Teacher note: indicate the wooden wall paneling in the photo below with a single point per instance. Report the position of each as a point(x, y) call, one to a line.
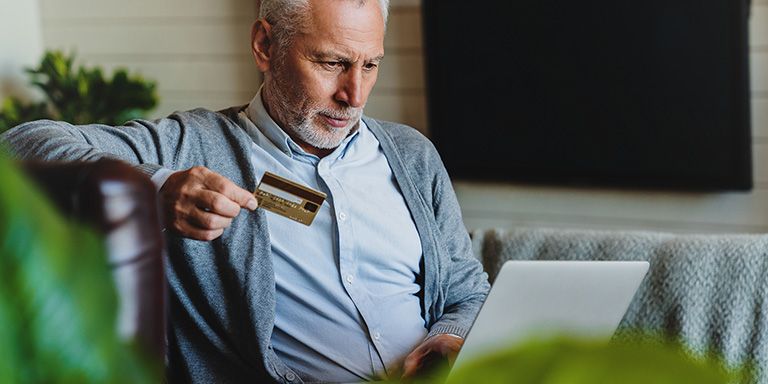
point(758, 26)
point(758, 62)
point(222, 39)
point(760, 117)
point(399, 107)
point(760, 164)
point(401, 72)
point(570, 222)
point(100, 9)
point(215, 75)
point(404, 30)
point(696, 209)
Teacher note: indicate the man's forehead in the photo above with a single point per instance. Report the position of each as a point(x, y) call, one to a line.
point(351, 18)
point(341, 53)
point(344, 29)
point(357, 3)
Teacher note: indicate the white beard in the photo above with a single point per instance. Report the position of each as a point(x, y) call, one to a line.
point(322, 135)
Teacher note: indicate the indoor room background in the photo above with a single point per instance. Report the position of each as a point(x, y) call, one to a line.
point(198, 52)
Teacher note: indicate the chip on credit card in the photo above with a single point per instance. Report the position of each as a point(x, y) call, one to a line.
point(287, 198)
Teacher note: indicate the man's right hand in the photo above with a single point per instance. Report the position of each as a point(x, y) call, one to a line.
point(199, 203)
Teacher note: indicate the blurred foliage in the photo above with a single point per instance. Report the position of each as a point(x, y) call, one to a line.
point(58, 303)
point(629, 359)
point(80, 96)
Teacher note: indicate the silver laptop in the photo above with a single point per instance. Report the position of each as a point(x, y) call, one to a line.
point(547, 298)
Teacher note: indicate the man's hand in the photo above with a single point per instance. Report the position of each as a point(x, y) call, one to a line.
point(434, 352)
point(199, 203)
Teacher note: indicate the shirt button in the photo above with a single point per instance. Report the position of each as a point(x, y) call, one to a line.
point(290, 376)
point(377, 335)
point(342, 216)
point(350, 279)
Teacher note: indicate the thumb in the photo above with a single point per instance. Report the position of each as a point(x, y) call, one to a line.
point(226, 187)
point(246, 200)
point(240, 196)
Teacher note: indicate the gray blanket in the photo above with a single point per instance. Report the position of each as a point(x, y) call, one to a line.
point(710, 291)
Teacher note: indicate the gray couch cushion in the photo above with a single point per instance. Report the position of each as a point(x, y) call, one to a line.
point(711, 291)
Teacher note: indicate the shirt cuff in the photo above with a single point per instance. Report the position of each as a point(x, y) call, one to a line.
point(448, 329)
point(161, 176)
point(448, 334)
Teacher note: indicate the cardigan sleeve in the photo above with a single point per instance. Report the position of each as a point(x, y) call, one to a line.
point(148, 145)
point(463, 283)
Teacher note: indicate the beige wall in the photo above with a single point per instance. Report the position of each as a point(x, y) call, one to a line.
point(399, 93)
point(198, 49)
point(21, 45)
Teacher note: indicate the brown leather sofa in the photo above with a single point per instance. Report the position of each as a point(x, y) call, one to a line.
point(120, 203)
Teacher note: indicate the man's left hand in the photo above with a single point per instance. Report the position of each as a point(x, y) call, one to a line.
point(432, 353)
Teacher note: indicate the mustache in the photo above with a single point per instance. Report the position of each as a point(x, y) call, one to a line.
point(344, 114)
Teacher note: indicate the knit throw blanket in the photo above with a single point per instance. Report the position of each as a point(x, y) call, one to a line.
point(710, 291)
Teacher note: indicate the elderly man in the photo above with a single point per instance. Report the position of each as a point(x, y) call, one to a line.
point(379, 283)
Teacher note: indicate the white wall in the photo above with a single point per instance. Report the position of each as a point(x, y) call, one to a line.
point(21, 45)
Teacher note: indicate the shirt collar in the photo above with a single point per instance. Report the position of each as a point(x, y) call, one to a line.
point(259, 116)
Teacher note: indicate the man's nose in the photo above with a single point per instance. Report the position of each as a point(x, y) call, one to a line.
point(350, 89)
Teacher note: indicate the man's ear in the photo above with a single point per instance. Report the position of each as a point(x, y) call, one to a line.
point(261, 44)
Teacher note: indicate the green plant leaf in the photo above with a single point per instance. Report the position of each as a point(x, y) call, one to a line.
point(14, 112)
point(82, 96)
point(636, 360)
point(57, 298)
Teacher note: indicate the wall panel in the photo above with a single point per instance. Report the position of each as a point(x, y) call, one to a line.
point(197, 50)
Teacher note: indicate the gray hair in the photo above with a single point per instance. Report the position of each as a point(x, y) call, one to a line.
point(289, 16)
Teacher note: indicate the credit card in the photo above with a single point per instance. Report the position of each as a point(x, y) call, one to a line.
point(287, 198)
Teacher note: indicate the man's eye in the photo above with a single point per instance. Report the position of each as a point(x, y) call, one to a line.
point(371, 66)
point(332, 65)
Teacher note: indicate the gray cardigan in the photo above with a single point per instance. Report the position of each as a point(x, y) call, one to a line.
point(222, 293)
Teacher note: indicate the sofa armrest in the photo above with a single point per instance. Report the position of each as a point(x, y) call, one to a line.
point(119, 203)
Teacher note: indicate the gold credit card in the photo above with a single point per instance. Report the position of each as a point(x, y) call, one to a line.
point(289, 199)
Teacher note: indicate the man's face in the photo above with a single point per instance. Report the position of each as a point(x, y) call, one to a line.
point(317, 86)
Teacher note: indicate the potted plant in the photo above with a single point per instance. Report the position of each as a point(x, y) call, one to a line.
point(80, 96)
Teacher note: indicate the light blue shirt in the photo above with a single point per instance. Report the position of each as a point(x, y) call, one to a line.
point(347, 294)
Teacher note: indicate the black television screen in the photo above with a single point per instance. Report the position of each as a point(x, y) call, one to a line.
point(636, 93)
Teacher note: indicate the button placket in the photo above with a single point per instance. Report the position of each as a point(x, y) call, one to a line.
point(347, 259)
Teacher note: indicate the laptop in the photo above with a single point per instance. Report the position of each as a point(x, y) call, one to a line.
point(548, 298)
